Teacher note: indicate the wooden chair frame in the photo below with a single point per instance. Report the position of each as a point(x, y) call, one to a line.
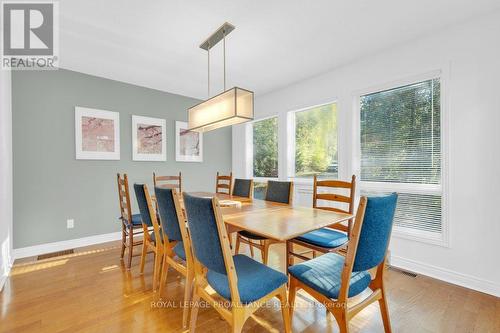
point(332, 197)
point(238, 312)
point(264, 244)
point(340, 309)
point(186, 268)
point(224, 183)
point(128, 229)
point(167, 180)
point(148, 245)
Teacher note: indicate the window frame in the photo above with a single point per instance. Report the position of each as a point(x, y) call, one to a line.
point(441, 189)
point(290, 149)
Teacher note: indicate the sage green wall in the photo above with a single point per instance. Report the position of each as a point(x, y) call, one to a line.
point(51, 186)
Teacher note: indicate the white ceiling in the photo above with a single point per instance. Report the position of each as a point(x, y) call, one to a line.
point(155, 43)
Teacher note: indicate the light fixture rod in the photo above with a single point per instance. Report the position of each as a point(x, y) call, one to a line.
point(224, 46)
point(208, 62)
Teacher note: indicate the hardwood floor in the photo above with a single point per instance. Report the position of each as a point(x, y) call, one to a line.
point(91, 291)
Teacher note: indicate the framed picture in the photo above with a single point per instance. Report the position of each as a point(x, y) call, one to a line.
point(188, 144)
point(97, 134)
point(149, 139)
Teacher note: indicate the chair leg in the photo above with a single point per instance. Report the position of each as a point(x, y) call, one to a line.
point(285, 310)
point(130, 247)
point(163, 274)
point(292, 291)
point(238, 319)
point(384, 310)
point(289, 257)
point(124, 239)
point(237, 247)
point(341, 318)
point(188, 289)
point(265, 251)
point(251, 248)
point(143, 254)
point(194, 310)
point(157, 269)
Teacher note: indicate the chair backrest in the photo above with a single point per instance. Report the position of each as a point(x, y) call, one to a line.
point(243, 187)
point(281, 192)
point(204, 233)
point(223, 184)
point(168, 213)
point(148, 213)
point(168, 181)
point(124, 198)
point(327, 189)
point(142, 202)
point(375, 232)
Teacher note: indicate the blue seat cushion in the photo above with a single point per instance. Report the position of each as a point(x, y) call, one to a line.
point(324, 274)
point(179, 250)
point(250, 235)
point(255, 280)
point(324, 237)
point(136, 220)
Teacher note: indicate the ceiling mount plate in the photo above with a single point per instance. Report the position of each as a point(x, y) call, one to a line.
point(217, 36)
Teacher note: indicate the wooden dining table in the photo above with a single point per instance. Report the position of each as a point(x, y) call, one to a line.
point(273, 220)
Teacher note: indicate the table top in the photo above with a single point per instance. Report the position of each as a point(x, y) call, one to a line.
point(274, 220)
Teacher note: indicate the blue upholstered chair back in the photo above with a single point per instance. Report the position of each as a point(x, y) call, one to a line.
point(168, 213)
point(278, 191)
point(143, 204)
point(204, 233)
point(375, 232)
point(242, 187)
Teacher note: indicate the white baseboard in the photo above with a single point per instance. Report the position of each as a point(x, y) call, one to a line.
point(463, 280)
point(5, 275)
point(36, 250)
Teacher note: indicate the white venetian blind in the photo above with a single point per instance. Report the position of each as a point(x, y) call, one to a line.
point(400, 140)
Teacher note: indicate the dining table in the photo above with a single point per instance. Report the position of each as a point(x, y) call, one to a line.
point(273, 220)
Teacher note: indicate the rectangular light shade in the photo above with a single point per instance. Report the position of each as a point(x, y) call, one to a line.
point(231, 107)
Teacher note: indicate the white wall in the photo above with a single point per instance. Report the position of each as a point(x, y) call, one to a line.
point(469, 57)
point(5, 175)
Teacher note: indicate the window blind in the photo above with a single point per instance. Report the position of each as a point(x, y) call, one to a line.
point(400, 136)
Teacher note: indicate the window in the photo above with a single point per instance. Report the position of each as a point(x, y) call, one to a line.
point(316, 142)
point(265, 148)
point(400, 136)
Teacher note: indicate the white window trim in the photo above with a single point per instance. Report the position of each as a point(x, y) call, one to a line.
point(441, 189)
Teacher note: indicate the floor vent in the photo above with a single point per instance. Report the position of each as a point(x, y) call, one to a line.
point(402, 271)
point(55, 254)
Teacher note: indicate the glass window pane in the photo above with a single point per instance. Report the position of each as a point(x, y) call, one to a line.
point(316, 142)
point(265, 148)
point(401, 134)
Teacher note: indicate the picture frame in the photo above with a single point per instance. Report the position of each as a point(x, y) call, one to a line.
point(149, 139)
point(188, 144)
point(97, 134)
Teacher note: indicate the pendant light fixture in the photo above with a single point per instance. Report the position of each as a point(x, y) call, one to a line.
point(233, 106)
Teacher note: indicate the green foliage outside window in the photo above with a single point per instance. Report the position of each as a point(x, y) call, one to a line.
point(265, 148)
point(316, 142)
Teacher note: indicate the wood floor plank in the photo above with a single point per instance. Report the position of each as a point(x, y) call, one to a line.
point(91, 291)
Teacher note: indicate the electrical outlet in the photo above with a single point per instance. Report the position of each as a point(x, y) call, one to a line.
point(70, 224)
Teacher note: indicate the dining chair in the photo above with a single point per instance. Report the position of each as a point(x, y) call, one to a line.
point(333, 279)
point(331, 238)
point(152, 241)
point(243, 188)
point(168, 181)
point(131, 223)
point(244, 283)
point(277, 191)
point(176, 243)
point(223, 184)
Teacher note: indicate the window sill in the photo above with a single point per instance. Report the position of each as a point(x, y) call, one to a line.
point(421, 236)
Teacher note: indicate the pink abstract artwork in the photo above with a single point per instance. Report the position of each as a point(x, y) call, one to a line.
point(98, 134)
point(190, 143)
point(149, 139)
